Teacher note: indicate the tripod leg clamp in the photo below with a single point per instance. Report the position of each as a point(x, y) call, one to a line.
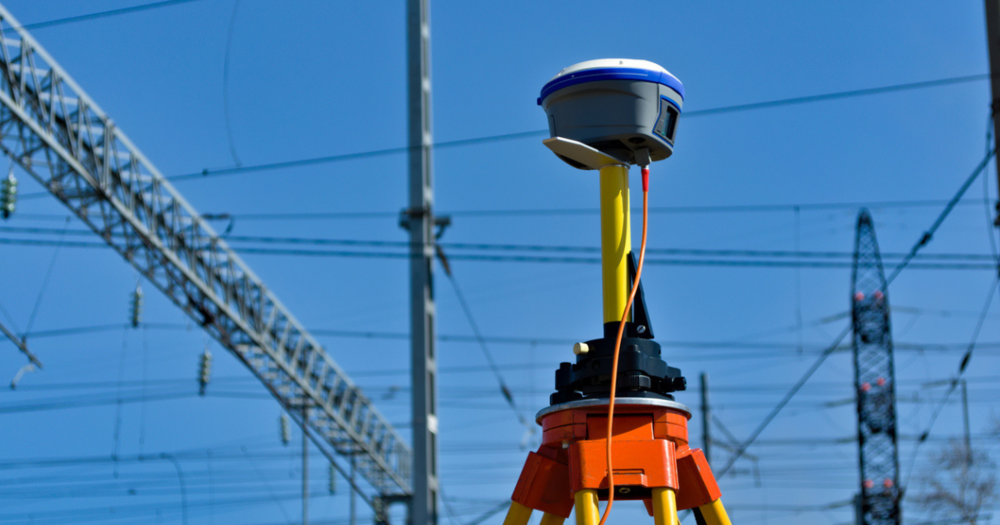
point(698, 485)
point(544, 484)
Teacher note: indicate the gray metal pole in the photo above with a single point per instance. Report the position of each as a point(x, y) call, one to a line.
point(180, 477)
point(993, 43)
point(706, 420)
point(305, 465)
point(354, 495)
point(965, 421)
point(420, 222)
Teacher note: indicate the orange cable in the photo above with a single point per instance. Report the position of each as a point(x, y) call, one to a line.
point(618, 340)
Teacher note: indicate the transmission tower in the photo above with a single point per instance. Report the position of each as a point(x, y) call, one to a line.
point(874, 382)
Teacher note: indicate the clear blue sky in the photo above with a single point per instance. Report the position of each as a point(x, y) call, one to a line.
point(310, 79)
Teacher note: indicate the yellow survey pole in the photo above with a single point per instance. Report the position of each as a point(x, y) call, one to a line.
point(616, 240)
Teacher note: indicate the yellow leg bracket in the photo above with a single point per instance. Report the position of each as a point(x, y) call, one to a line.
point(587, 512)
point(551, 519)
point(664, 507)
point(616, 240)
point(714, 513)
point(517, 514)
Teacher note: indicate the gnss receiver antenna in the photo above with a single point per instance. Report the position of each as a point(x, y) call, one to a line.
point(613, 429)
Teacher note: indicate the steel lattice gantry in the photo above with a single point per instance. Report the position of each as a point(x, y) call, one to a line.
point(53, 130)
point(874, 382)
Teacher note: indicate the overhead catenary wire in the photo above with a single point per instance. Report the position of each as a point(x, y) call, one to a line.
point(535, 341)
point(736, 208)
point(691, 252)
point(812, 264)
point(745, 342)
point(131, 512)
point(103, 14)
point(347, 156)
point(86, 395)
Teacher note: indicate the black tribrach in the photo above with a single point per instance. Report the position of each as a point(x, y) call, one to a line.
point(641, 370)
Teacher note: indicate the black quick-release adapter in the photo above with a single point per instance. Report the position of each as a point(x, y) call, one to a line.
point(641, 370)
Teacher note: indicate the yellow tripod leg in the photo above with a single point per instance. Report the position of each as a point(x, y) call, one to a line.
point(587, 512)
point(517, 514)
point(551, 519)
point(664, 507)
point(714, 513)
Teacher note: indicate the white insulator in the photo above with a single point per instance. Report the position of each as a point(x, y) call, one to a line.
point(205, 372)
point(136, 310)
point(8, 194)
point(286, 430)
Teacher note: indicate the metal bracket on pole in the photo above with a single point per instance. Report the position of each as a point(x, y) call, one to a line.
point(21, 345)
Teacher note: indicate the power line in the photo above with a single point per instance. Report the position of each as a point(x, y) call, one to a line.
point(348, 156)
point(103, 328)
point(533, 258)
point(103, 14)
point(751, 208)
point(522, 340)
point(940, 219)
point(737, 208)
point(839, 95)
point(538, 133)
point(529, 247)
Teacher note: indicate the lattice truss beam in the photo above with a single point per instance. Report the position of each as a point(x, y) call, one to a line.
point(53, 130)
point(874, 382)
